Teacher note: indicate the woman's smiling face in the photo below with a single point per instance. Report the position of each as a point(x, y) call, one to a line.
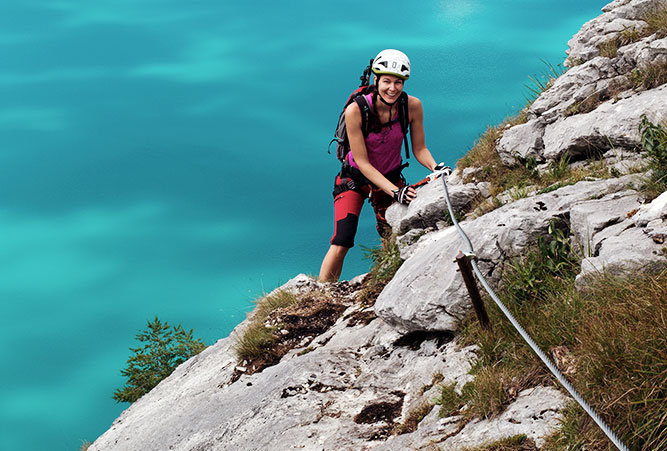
point(389, 87)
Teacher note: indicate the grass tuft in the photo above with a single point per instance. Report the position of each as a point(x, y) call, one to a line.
point(609, 49)
point(629, 35)
point(610, 339)
point(414, 417)
point(540, 83)
point(386, 262)
point(484, 155)
point(282, 322)
point(488, 394)
point(656, 19)
point(386, 259)
point(257, 339)
point(518, 442)
point(450, 401)
point(622, 343)
point(649, 77)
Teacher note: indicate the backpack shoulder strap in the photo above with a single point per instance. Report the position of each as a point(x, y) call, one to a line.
point(365, 110)
point(404, 118)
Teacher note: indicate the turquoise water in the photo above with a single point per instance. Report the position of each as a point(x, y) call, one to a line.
point(169, 158)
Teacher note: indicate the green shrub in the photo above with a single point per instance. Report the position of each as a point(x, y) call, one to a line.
point(551, 262)
point(559, 170)
point(164, 348)
point(654, 142)
point(450, 401)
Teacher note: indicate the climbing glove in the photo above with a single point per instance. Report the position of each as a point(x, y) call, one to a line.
point(401, 195)
point(441, 169)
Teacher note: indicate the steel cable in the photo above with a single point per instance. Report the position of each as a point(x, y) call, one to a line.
point(547, 361)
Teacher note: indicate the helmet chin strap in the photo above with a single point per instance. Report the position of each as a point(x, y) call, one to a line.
point(391, 105)
point(385, 102)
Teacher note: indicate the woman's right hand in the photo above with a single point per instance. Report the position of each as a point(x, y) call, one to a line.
point(405, 195)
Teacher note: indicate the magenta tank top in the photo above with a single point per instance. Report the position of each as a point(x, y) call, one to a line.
point(383, 147)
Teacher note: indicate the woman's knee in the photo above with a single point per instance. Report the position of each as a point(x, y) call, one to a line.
point(338, 251)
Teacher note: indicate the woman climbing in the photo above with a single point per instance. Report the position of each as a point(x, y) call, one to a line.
point(373, 166)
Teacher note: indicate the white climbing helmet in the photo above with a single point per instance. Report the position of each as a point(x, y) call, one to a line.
point(392, 62)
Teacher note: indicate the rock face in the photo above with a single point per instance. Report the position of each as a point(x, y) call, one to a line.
point(427, 292)
point(591, 107)
point(429, 209)
point(618, 16)
point(611, 125)
point(349, 390)
point(620, 235)
point(356, 385)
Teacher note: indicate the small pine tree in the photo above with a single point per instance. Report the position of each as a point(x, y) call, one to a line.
point(165, 347)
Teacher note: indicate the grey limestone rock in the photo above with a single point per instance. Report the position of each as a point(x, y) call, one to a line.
point(545, 402)
point(648, 51)
point(656, 209)
point(596, 240)
point(456, 177)
point(533, 413)
point(407, 242)
point(618, 16)
point(549, 133)
point(656, 230)
point(618, 245)
point(574, 85)
point(610, 125)
point(522, 142)
point(589, 217)
point(623, 162)
point(347, 393)
point(630, 251)
point(430, 207)
point(427, 293)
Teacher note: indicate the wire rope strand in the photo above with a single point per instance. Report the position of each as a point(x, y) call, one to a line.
point(528, 339)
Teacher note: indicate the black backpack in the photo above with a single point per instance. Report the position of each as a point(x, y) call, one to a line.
point(359, 96)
